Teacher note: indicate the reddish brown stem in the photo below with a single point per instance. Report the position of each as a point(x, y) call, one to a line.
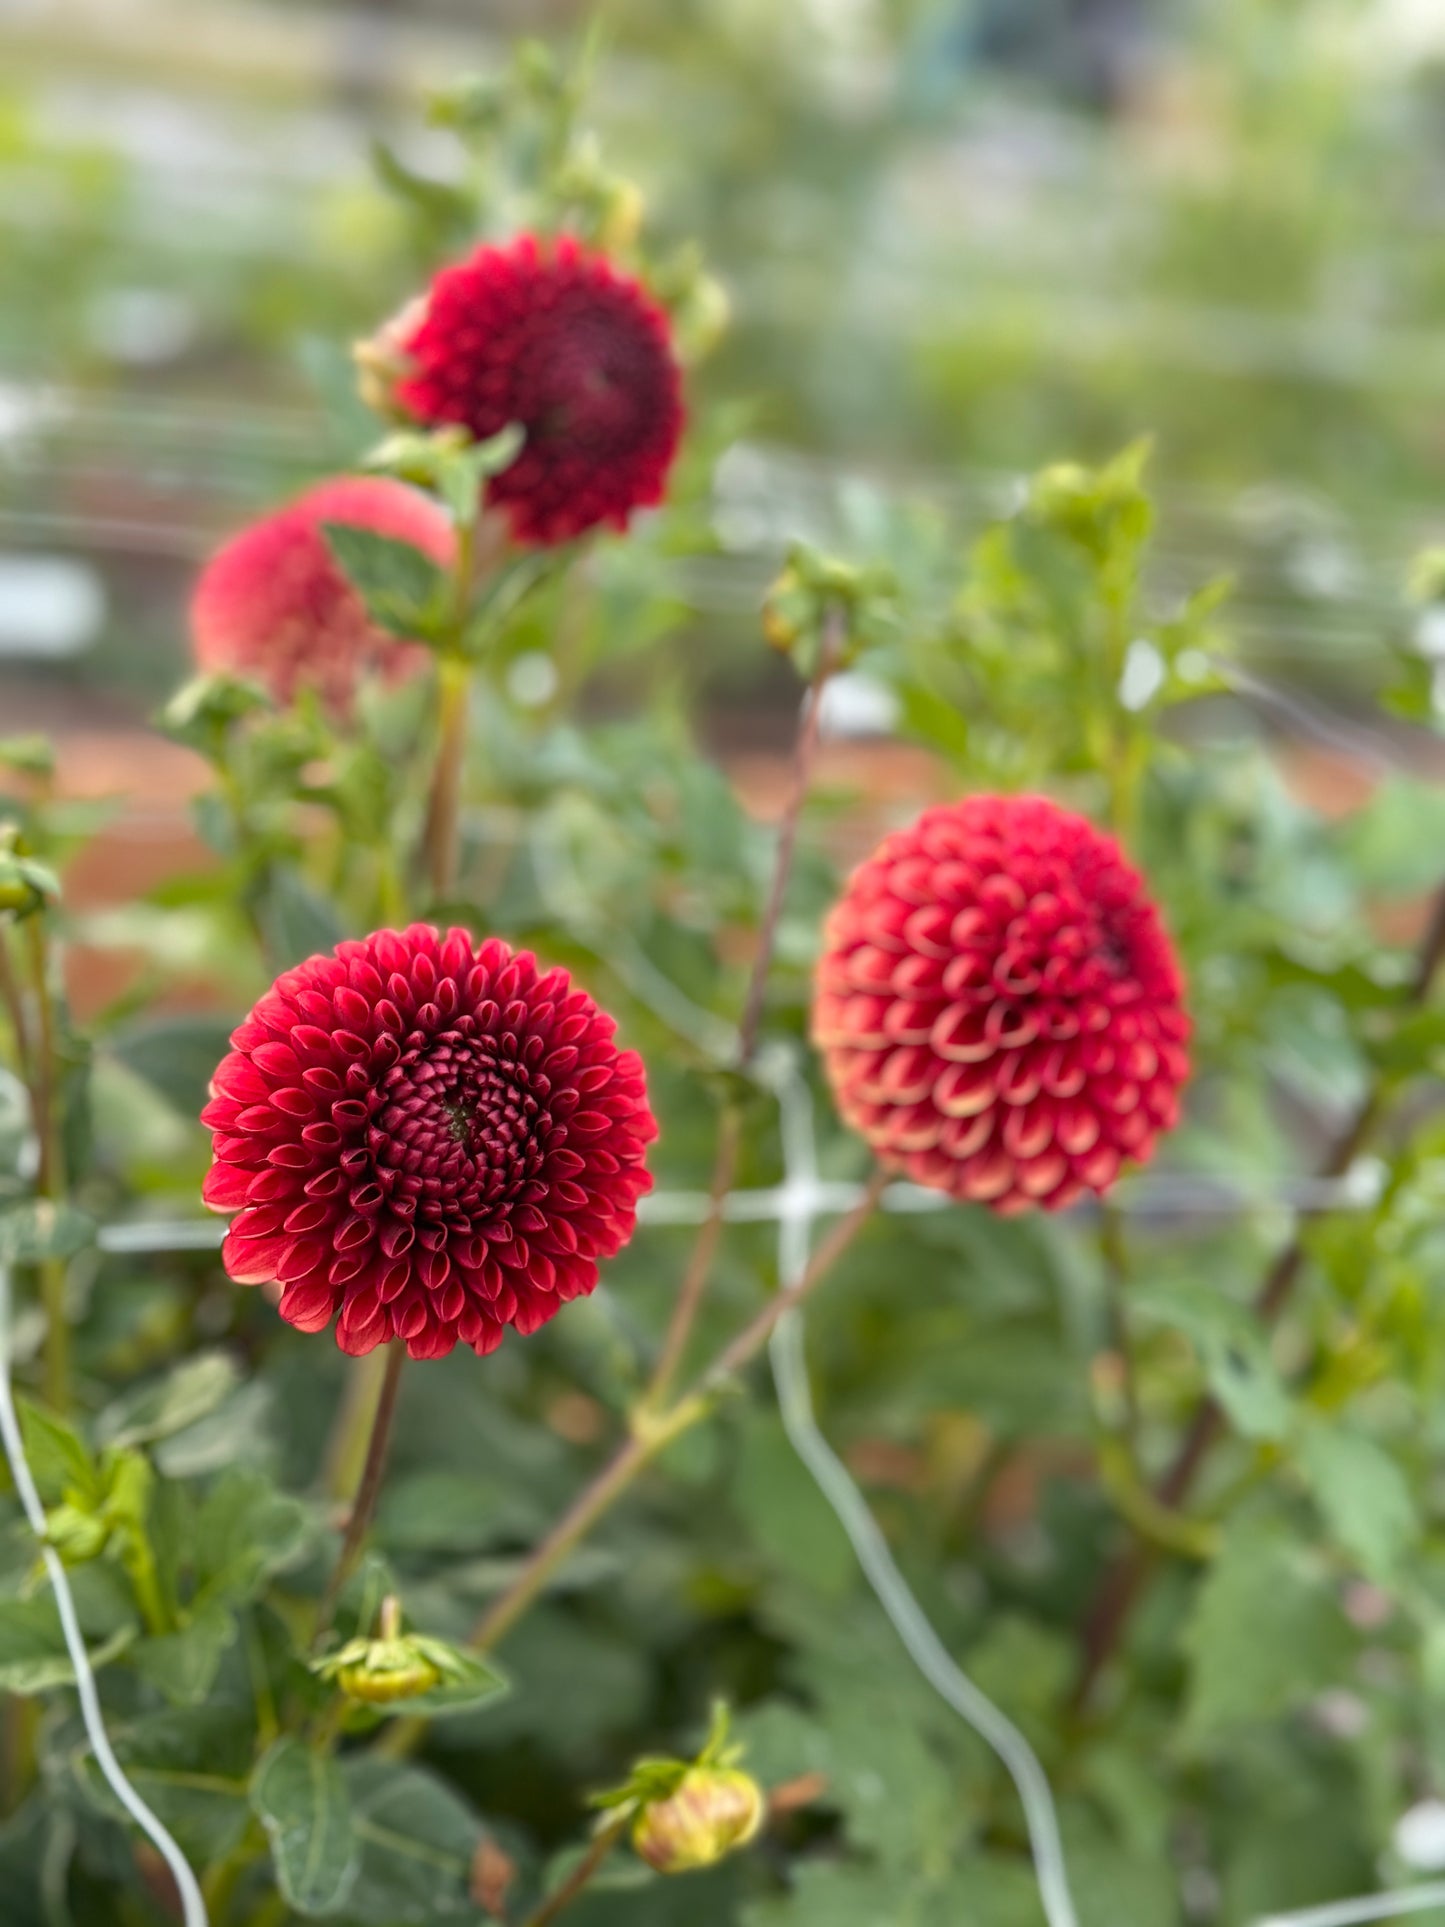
point(367, 1492)
point(1108, 1615)
point(699, 1270)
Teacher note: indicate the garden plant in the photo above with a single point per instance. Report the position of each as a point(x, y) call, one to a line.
point(689, 1285)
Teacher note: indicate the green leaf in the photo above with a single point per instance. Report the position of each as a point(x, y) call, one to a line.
point(33, 1655)
point(783, 1512)
point(298, 921)
point(418, 1840)
point(38, 1229)
point(470, 1683)
point(59, 1458)
point(1363, 1495)
point(301, 1798)
point(184, 1665)
point(244, 1531)
point(177, 1056)
point(1266, 1630)
point(403, 589)
point(1233, 1352)
point(168, 1405)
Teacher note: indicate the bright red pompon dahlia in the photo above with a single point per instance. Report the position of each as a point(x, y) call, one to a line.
point(273, 605)
point(554, 338)
point(999, 1006)
point(426, 1141)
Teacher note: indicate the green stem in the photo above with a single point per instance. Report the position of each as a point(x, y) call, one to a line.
point(50, 1178)
point(367, 1492)
point(351, 1430)
point(219, 1882)
point(441, 840)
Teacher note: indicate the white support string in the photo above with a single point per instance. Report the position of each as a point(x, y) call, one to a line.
point(927, 1651)
point(193, 1907)
point(1354, 1913)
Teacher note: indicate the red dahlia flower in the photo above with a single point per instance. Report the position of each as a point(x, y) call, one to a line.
point(554, 338)
point(273, 605)
point(432, 1141)
point(999, 1006)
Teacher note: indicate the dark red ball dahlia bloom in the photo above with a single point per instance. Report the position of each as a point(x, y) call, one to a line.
point(273, 605)
point(426, 1141)
point(554, 338)
point(999, 1005)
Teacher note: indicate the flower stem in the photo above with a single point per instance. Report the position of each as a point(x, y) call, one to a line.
point(603, 1843)
point(50, 1176)
point(649, 1438)
point(440, 840)
point(805, 752)
point(367, 1492)
point(653, 1435)
point(1108, 1615)
point(351, 1428)
point(699, 1269)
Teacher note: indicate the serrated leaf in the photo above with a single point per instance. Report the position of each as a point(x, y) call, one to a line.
point(244, 1531)
point(1266, 1630)
point(184, 1665)
point(1364, 1496)
point(38, 1229)
point(418, 1840)
point(301, 1798)
point(403, 589)
point(168, 1405)
point(33, 1653)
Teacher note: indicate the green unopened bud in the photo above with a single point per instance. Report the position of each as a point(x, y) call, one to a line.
point(75, 1534)
point(25, 885)
point(392, 1665)
point(787, 610)
point(713, 1811)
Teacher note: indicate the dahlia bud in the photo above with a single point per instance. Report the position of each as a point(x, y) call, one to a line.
point(25, 885)
point(76, 1534)
point(713, 1811)
point(389, 1667)
point(393, 1665)
point(819, 594)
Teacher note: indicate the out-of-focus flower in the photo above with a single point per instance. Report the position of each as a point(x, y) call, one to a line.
point(999, 1006)
point(426, 1141)
point(713, 1811)
point(273, 605)
point(552, 337)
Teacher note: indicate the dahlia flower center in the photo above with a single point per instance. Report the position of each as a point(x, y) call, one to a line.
point(460, 1124)
point(580, 382)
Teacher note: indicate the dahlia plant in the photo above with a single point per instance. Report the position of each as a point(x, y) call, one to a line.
point(1098, 1064)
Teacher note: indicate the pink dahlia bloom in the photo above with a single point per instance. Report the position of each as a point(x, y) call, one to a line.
point(999, 1006)
point(426, 1141)
point(273, 605)
point(552, 337)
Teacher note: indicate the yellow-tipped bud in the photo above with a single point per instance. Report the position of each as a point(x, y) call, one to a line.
point(713, 1811)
